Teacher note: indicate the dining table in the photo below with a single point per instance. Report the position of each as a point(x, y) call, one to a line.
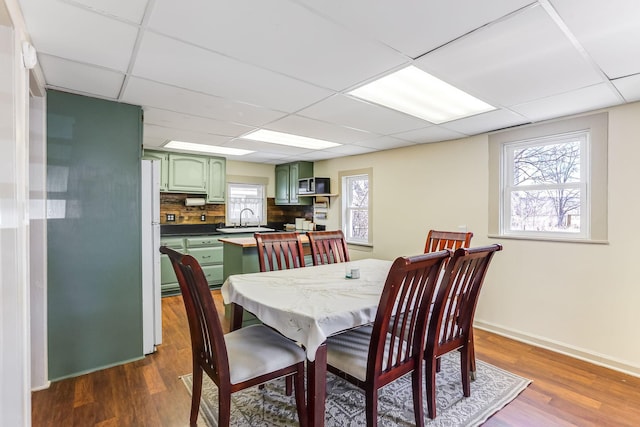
point(308, 305)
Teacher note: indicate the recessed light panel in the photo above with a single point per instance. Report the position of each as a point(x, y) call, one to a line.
point(289, 139)
point(422, 95)
point(203, 148)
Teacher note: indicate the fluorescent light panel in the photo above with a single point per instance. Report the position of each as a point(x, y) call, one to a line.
point(203, 148)
point(422, 95)
point(273, 137)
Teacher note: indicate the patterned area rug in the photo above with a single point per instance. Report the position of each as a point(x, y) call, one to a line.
point(490, 392)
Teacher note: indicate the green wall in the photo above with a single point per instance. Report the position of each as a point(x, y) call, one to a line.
point(94, 233)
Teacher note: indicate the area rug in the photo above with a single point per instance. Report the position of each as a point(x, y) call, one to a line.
point(269, 406)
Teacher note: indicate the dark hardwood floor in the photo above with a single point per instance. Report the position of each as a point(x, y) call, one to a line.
point(149, 392)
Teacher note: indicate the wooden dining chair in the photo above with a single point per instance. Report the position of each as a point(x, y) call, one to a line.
point(240, 359)
point(279, 251)
point(375, 355)
point(328, 247)
point(439, 240)
point(451, 322)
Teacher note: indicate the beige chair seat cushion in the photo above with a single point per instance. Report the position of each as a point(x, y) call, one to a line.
point(257, 350)
point(349, 351)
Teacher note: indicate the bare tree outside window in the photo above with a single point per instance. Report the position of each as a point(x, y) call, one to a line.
point(356, 215)
point(545, 186)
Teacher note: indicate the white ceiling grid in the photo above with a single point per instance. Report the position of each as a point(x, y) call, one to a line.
point(211, 71)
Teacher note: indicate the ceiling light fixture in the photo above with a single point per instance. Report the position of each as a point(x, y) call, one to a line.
point(203, 148)
point(422, 95)
point(289, 139)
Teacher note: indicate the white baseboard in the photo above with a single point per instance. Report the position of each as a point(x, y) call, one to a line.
point(42, 387)
point(558, 347)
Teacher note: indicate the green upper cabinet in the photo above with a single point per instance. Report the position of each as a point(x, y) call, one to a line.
point(287, 176)
point(164, 166)
point(217, 180)
point(188, 173)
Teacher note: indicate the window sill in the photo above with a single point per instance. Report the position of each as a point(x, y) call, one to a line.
point(548, 239)
point(364, 245)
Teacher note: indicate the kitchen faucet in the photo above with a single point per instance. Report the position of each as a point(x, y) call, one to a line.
point(245, 209)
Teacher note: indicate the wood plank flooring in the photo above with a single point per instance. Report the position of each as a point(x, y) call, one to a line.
point(149, 392)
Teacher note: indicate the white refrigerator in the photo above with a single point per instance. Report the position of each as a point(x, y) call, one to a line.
point(151, 302)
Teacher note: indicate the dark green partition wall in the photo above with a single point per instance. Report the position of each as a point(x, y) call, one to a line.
point(94, 233)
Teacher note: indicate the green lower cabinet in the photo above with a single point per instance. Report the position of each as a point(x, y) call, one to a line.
point(168, 280)
point(208, 251)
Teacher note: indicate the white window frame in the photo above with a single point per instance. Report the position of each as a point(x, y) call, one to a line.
point(508, 187)
point(233, 207)
point(347, 210)
point(595, 218)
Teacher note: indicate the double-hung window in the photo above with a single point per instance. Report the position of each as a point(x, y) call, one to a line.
point(546, 186)
point(248, 200)
point(549, 181)
point(356, 206)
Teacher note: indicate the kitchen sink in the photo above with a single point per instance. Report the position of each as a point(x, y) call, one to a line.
point(245, 229)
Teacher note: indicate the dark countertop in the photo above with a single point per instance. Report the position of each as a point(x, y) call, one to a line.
point(168, 230)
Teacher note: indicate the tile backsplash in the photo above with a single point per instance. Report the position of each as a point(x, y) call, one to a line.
point(172, 205)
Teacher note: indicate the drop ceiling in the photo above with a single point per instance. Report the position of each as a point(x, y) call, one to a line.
point(209, 72)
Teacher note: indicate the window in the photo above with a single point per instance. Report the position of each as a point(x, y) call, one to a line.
point(549, 181)
point(246, 196)
point(545, 186)
point(356, 206)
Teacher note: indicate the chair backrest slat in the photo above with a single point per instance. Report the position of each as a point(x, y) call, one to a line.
point(397, 340)
point(279, 251)
point(328, 247)
point(455, 302)
point(439, 240)
point(207, 336)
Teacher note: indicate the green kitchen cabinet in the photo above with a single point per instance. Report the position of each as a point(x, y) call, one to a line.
point(216, 182)
point(208, 251)
point(168, 280)
point(287, 176)
point(188, 173)
point(164, 166)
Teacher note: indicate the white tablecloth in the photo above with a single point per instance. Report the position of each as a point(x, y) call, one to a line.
point(309, 304)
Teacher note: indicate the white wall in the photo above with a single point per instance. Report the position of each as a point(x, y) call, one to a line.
point(581, 299)
point(259, 170)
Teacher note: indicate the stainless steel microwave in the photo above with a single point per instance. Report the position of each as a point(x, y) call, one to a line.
point(314, 185)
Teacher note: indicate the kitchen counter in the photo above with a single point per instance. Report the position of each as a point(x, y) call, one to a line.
point(167, 230)
point(250, 242)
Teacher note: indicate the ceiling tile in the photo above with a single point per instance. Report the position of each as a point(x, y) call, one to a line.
point(177, 120)
point(279, 35)
point(70, 75)
point(361, 115)
point(385, 143)
point(350, 150)
point(417, 29)
point(79, 34)
point(429, 134)
point(578, 101)
point(194, 68)
point(629, 87)
point(185, 135)
point(515, 60)
point(303, 126)
point(485, 122)
point(153, 94)
point(131, 10)
point(608, 30)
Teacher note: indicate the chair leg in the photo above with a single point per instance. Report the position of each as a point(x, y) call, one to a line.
point(300, 394)
point(196, 394)
point(430, 385)
point(472, 356)
point(465, 368)
point(416, 378)
point(371, 407)
point(224, 407)
point(288, 385)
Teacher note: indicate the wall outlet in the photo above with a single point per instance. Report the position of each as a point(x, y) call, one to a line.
point(171, 217)
point(203, 217)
